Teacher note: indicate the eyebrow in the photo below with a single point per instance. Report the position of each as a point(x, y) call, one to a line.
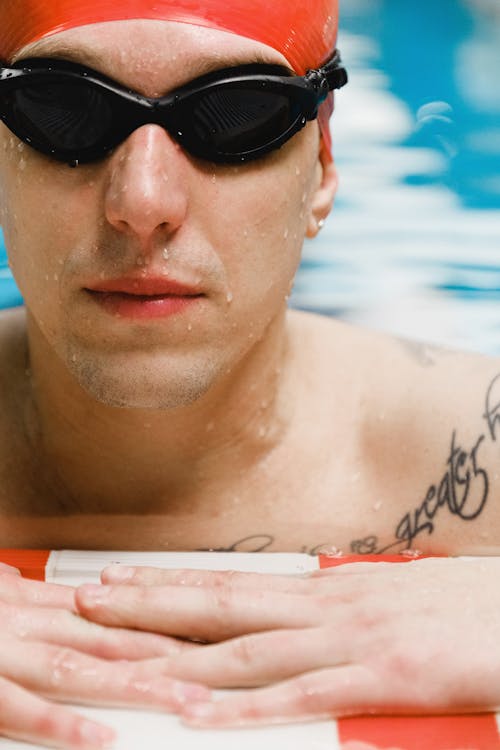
point(90, 58)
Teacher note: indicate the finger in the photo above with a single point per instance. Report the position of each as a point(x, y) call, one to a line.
point(19, 590)
point(9, 569)
point(27, 717)
point(60, 627)
point(67, 675)
point(328, 693)
point(208, 614)
point(119, 574)
point(261, 659)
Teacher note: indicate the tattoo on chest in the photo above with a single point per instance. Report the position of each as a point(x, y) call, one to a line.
point(463, 488)
point(259, 543)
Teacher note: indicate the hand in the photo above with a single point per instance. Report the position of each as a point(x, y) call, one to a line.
point(49, 653)
point(418, 637)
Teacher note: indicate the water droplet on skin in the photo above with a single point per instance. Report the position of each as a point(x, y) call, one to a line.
point(190, 328)
point(297, 171)
point(411, 553)
point(229, 298)
point(56, 277)
point(285, 234)
point(165, 254)
point(214, 178)
point(74, 358)
point(142, 687)
point(330, 551)
point(22, 164)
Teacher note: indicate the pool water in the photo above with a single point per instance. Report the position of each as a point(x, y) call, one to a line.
point(412, 245)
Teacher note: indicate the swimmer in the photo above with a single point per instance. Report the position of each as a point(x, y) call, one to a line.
point(160, 165)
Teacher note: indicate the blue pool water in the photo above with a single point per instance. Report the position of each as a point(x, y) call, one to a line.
point(412, 246)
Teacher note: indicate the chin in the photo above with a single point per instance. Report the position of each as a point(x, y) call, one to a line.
point(147, 386)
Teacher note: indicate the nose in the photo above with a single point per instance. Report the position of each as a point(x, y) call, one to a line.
point(147, 189)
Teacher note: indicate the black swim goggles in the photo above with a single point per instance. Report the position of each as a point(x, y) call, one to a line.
point(77, 115)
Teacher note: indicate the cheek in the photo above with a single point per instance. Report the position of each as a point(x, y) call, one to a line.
point(263, 214)
point(42, 222)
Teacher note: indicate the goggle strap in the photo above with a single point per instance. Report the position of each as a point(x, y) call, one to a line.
point(329, 77)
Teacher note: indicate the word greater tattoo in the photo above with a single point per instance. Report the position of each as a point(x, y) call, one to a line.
point(463, 488)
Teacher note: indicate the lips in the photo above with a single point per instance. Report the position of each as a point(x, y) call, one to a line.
point(144, 297)
point(146, 287)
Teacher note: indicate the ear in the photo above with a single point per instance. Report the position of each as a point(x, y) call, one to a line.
point(324, 194)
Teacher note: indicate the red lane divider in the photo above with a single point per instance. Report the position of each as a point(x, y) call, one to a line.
point(332, 561)
point(472, 732)
point(31, 563)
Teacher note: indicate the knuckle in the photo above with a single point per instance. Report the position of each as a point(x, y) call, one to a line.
point(306, 695)
point(9, 570)
point(48, 722)
point(246, 651)
point(222, 597)
point(402, 663)
point(61, 660)
point(220, 579)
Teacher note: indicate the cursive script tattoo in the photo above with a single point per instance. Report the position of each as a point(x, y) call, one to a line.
point(492, 410)
point(463, 489)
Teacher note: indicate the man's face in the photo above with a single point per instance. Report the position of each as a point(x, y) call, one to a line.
point(150, 212)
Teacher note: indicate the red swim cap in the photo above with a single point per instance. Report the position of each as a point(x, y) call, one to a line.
point(304, 31)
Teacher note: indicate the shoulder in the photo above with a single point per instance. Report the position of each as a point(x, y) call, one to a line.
point(423, 424)
point(393, 374)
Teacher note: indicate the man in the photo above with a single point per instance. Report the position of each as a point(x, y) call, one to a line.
point(157, 393)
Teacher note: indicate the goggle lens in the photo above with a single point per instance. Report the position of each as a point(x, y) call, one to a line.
point(60, 117)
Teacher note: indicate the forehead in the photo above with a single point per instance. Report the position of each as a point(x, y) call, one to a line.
point(148, 54)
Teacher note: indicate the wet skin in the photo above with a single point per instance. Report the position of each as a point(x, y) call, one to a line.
point(232, 424)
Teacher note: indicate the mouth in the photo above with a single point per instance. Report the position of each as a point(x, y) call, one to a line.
point(144, 298)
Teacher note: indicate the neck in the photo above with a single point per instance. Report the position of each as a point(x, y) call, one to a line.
point(104, 459)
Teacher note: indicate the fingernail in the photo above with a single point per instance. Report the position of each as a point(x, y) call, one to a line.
point(93, 595)
point(190, 692)
point(97, 736)
point(119, 573)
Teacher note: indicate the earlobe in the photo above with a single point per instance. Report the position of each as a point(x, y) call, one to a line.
point(323, 197)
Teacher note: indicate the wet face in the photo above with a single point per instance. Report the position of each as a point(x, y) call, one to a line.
point(84, 243)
